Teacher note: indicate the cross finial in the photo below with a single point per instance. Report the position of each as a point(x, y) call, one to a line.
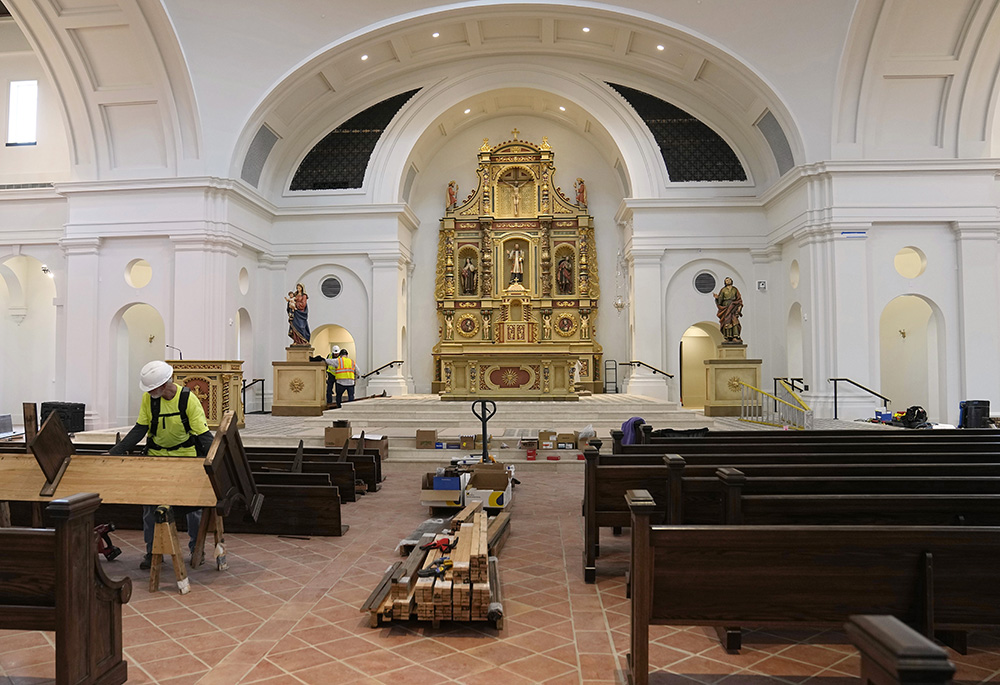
point(514, 133)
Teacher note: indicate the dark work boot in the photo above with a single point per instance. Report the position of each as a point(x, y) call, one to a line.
point(146, 563)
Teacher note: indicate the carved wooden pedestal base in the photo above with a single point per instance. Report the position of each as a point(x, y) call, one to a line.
point(299, 384)
point(722, 378)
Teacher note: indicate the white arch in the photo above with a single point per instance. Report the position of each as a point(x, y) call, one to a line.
point(321, 110)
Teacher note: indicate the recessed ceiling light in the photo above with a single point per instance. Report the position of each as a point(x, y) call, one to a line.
point(586, 29)
point(660, 47)
point(467, 111)
point(561, 108)
point(364, 57)
point(435, 34)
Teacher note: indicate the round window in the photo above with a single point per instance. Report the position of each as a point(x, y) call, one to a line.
point(138, 273)
point(704, 283)
point(331, 287)
point(910, 262)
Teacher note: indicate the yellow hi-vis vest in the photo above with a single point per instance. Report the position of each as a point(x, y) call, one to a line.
point(345, 369)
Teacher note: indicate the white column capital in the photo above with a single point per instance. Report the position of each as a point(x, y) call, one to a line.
point(73, 247)
point(976, 230)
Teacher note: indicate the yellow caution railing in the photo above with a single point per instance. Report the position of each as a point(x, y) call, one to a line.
point(759, 406)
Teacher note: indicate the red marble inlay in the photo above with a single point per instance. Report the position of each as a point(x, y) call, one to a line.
point(509, 377)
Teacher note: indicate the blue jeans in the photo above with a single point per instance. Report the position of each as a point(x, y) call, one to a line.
point(340, 392)
point(149, 523)
point(329, 388)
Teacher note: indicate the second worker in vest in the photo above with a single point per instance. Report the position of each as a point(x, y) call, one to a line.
point(345, 372)
point(331, 370)
point(177, 427)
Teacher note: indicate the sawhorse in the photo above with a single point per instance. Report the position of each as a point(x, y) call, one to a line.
point(166, 541)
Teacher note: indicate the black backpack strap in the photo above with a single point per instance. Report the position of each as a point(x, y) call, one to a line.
point(183, 404)
point(154, 408)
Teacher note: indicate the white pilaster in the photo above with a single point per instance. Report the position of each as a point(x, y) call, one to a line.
point(979, 321)
point(388, 317)
point(646, 322)
point(203, 288)
point(87, 379)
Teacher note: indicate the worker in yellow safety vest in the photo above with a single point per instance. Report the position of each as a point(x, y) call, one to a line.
point(331, 368)
point(344, 374)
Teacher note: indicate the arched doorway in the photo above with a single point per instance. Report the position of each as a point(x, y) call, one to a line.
point(697, 344)
point(139, 336)
point(910, 355)
point(328, 335)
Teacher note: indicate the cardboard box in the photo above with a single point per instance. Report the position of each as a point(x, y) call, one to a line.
point(528, 443)
point(453, 445)
point(490, 484)
point(447, 483)
point(546, 445)
point(335, 436)
point(468, 442)
point(426, 439)
point(373, 441)
point(546, 436)
point(439, 445)
point(584, 443)
point(531, 454)
point(441, 498)
point(568, 439)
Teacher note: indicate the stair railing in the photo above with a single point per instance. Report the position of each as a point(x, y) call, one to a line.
point(390, 365)
point(835, 381)
point(759, 406)
point(644, 364)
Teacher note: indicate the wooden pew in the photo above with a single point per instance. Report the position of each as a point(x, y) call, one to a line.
point(53, 580)
point(785, 497)
point(943, 580)
point(850, 434)
point(293, 510)
point(341, 475)
point(893, 653)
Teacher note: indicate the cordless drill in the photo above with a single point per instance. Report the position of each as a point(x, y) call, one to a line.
point(104, 544)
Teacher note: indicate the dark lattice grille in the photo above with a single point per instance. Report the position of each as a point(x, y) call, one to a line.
point(330, 287)
point(704, 282)
point(340, 159)
point(691, 150)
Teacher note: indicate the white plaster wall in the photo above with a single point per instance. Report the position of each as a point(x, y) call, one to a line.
point(48, 160)
point(456, 160)
point(28, 369)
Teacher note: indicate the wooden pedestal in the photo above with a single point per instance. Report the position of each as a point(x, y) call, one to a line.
point(723, 376)
point(299, 384)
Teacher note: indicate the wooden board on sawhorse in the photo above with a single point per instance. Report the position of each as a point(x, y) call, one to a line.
point(214, 484)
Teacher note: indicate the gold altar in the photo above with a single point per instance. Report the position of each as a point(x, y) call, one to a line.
point(218, 384)
point(517, 286)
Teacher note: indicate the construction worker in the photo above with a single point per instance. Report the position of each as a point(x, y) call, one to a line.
point(177, 427)
point(331, 367)
point(345, 373)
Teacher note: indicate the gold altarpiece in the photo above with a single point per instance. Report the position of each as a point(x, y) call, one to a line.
point(517, 286)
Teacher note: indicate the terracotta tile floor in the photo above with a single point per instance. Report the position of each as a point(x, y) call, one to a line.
point(287, 612)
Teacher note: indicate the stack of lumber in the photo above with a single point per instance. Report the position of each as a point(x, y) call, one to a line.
point(466, 584)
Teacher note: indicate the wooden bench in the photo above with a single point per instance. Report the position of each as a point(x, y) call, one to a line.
point(942, 580)
point(783, 496)
point(53, 580)
point(893, 653)
point(871, 436)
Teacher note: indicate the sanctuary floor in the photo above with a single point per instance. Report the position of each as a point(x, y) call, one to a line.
point(287, 612)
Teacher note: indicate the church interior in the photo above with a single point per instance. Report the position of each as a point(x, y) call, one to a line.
point(587, 210)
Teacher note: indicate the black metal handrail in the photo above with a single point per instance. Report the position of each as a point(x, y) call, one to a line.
point(792, 383)
point(390, 365)
point(252, 383)
point(885, 400)
point(651, 368)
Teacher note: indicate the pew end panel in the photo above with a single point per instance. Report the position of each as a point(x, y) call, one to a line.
point(893, 653)
point(52, 579)
point(229, 470)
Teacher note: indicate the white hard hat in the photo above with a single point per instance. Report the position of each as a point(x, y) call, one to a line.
point(336, 350)
point(154, 374)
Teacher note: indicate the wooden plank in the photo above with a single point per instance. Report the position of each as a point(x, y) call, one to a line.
point(120, 480)
point(465, 514)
